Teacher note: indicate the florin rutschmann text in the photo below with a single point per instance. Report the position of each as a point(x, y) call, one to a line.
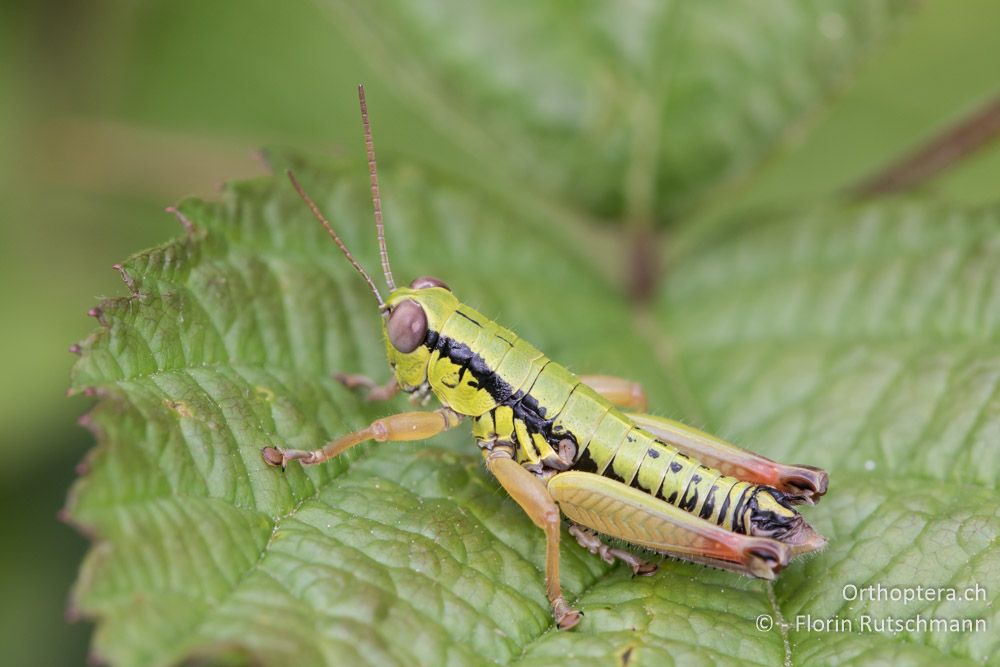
point(866, 623)
point(874, 594)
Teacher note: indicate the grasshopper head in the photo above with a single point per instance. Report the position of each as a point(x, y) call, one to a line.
point(411, 313)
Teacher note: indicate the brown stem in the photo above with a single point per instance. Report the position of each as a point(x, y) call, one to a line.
point(940, 152)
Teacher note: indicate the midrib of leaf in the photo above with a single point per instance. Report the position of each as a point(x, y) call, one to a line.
point(650, 93)
point(779, 622)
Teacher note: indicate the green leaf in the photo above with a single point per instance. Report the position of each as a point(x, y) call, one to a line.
point(635, 110)
point(864, 340)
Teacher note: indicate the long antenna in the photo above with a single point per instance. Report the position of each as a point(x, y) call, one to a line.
point(336, 239)
point(376, 200)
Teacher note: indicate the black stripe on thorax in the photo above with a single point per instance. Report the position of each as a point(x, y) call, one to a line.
point(524, 405)
point(462, 355)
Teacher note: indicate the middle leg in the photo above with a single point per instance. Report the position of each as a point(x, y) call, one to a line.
point(530, 493)
point(376, 391)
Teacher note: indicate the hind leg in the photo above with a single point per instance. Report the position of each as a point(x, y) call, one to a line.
point(618, 510)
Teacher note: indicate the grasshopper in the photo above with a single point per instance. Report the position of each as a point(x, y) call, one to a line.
point(561, 444)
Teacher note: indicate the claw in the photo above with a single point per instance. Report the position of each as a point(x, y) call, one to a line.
point(273, 456)
point(565, 616)
point(644, 569)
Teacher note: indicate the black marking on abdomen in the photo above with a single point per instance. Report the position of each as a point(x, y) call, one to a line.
point(769, 523)
point(706, 509)
point(653, 453)
point(585, 463)
point(725, 506)
point(738, 524)
point(689, 502)
point(610, 473)
point(635, 483)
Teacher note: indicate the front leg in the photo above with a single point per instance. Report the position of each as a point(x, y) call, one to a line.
point(530, 493)
point(395, 428)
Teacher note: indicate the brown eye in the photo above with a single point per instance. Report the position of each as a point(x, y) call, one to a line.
point(407, 326)
point(428, 281)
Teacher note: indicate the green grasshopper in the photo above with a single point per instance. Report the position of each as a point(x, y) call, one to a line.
point(562, 444)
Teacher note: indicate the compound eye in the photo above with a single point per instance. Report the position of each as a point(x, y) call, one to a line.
point(407, 326)
point(428, 281)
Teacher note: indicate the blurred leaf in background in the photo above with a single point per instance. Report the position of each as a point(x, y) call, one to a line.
point(111, 110)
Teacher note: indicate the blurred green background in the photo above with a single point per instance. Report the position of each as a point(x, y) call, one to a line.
point(111, 110)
